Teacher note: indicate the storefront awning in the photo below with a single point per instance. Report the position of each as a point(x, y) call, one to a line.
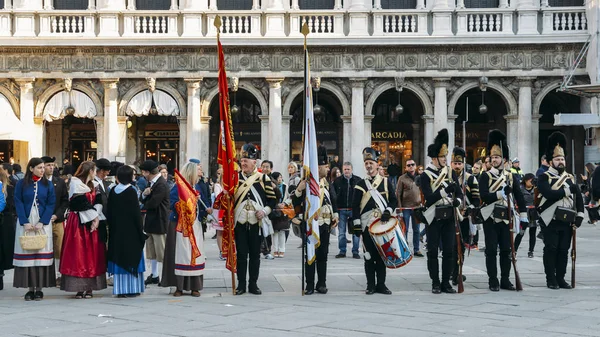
point(157, 102)
point(77, 103)
point(11, 127)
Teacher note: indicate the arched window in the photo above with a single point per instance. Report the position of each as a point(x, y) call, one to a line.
point(398, 4)
point(153, 5)
point(316, 4)
point(232, 5)
point(565, 3)
point(68, 4)
point(482, 3)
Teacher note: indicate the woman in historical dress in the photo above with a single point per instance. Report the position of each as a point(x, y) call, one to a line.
point(34, 204)
point(83, 258)
point(126, 237)
point(181, 269)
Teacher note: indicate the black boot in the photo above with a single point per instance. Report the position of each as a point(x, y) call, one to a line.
point(322, 277)
point(370, 272)
point(447, 288)
point(562, 284)
point(436, 288)
point(493, 284)
point(506, 284)
point(1, 282)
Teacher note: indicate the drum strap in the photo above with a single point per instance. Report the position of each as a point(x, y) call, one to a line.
point(377, 197)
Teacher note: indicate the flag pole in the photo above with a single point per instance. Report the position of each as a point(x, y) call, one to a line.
point(228, 201)
point(304, 222)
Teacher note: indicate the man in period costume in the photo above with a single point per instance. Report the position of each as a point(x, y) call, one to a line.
point(442, 193)
point(254, 201)
point(103, 170)
point(155, 201)
point(496, 187)
point(467, 183)
point(374, 198)
point(561, 207)
point(60, 208)
point(327, 219)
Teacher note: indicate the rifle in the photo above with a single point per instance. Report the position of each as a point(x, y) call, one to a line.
point(459, 276)
point(573, 255)
point(511, 225)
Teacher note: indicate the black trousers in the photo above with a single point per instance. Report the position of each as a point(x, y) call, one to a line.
point(557, 240)
point(497, 235)
point(247, 243)
point(444, 231)
point(374, 264)
point(320, 261)
point(532, 238)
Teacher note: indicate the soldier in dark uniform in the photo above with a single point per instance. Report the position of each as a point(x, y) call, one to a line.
point(60, 208)
point(374, 198)
point(471, 201)
point(254, 201)
point(496, 186)
point(442, 194)
point(561, 199)
point(327, 219)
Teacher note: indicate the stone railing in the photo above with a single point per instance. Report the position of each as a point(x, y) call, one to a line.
point(320, 23)
point(66, 23)
point(399, 22)
point(236, 24)
point(323, 24)
point(561, 20)
point(484, 21)
point(150, 23)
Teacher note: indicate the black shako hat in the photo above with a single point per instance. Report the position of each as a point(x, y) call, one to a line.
point(249, 151)
point(48, 159)
point(103, 164)
point(370, 153)
point(496, 144)
point(458, 154)
point(439, 148)
point(557, 145)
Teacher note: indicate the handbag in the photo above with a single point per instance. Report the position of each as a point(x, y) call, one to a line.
point(34, 242)
point(444, 212)
point(564, 214)
point(500, 212)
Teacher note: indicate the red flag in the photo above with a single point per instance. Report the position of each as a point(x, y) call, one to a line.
point(227, 159)
point(186, 210)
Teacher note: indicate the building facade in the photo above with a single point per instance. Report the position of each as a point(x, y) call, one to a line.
point(131, 80)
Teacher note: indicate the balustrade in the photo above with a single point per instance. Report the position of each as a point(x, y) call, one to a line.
point(394, 23)
point(150, 24)
point(564, 20)
point(485, 21)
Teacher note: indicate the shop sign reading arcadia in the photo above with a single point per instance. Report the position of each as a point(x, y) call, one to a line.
point(161, 133)
point(383, 135)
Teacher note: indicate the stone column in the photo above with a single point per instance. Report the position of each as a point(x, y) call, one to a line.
point(524, 126)
point(48, 5)
point(183, 139)
point(123, 136)
point(194, 104)
point(442, 17)
point(264, 136)
point(512, 131)
point(255, 5)
point(101, 148)
point(338, 5)
point(451, 133)
point(358, 13)
point(131, 5)
point(295, 5)
point(109, 140)
point(174, 6)
point(205, 139)
point(91, 4)
point(527, 16)
point(428, 136)
point(358, 137)
point(368, 130)
point(34, 127)
point(213, 5)
point(535, 142)
point(417, 147)
point(285, 139)
point(440, 108)
point(347, 139)
point(277, 147)
point(193, 4)
point(377, 4)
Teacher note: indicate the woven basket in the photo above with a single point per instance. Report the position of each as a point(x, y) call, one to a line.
point(33, 242)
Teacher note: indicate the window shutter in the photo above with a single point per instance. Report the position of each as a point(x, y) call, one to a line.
point(66, 4)
point(316, 4)
point(153, 5)
point(232, 5)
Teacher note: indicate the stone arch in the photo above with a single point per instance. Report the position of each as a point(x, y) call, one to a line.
point(55, 89)
point(136, 89)
point(210, 95)
point(339, 94)
point(14, 102)
point(537, 102)
point(418, 91)
point(506, 95)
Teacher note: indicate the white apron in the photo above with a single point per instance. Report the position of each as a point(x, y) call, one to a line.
point(33, 258)
point(183, 253)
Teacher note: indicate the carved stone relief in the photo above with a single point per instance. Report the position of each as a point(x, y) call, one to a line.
point(344, 85)
point(287, 85)
point(11, 86)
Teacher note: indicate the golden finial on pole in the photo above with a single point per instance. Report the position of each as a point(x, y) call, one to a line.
point(218, 22)
point(305, 31)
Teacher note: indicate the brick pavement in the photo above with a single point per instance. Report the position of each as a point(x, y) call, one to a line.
point(411, 311)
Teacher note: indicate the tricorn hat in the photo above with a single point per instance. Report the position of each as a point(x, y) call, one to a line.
point(557, 145)
point(148, 165)
point(48, 159)
point(249, 151)
point(103, 164)
point(370, 153)
point(322, 155)
point(439, 148)
point(458, 154)
point(496, 145)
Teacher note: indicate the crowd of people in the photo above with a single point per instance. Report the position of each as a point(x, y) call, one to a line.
point(97, 225)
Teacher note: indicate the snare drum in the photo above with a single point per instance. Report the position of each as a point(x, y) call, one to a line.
point(390, 242)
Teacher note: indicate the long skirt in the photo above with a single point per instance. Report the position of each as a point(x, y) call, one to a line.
point(169, 279)
point(83, 260)
point(126, 283)
point(35, 277)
